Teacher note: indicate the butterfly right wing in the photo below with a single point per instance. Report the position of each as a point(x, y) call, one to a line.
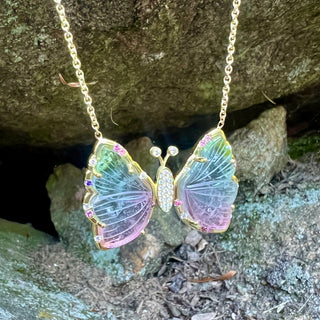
point(120, 196)
point(206, 186)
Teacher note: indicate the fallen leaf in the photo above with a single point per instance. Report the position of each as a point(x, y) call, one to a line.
point(226, 276)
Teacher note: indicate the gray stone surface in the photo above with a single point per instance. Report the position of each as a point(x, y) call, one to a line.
point(157, 64)
point(260, 148)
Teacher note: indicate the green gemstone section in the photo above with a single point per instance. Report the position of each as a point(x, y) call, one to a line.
point(217, 144)
point(106, 158)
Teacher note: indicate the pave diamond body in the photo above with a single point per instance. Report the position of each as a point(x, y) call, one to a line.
point(165, 190)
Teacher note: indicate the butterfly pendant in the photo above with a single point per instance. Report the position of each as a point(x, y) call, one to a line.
point(120, 196)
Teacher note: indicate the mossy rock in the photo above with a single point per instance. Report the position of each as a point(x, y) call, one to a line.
point(25, 292)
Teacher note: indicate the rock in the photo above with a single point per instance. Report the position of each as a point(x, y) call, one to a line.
point(272, 244)
point(66, 191)
point(156, 65)
point(260, 148)
point(139, 150)
point(176, 283)
point(25, 292)
point(193, 238)
point(173, 310)
point(290, 277)
point(204, 316)
point(142, 256)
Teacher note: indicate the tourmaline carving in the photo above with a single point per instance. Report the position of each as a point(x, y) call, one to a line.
point(206, 186)
point(120, 196)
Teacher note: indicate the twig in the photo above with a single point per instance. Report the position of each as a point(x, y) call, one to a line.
point(218, 260)
point(111, 117)
point(177, 259)
point(269, 99)
point(210, 298)
point(276, 307)
point(139, 307)
point(127, 296)
point(73, 84)
point(305, 303)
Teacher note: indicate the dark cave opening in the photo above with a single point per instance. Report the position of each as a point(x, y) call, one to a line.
point(25, 171)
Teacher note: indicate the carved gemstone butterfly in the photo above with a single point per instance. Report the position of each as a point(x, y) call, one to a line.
point(120, 196)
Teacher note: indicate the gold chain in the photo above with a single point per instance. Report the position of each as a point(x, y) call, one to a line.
point(84, 88)
point(77, 65)
point(229, 59)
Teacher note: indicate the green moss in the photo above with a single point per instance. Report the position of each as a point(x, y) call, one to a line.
point(300, 146)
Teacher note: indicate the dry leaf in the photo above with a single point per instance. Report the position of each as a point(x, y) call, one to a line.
point(226, 276)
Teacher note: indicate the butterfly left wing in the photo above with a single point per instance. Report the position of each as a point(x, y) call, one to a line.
point(120, 196)
point(206, 186)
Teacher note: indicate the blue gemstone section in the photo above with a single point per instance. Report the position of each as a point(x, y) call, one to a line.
point(88, 183)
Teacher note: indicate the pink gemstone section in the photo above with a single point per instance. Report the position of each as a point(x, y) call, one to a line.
point(177, 203)
point(119, 150)
point(206, 139)
point(89, 214)
point(206, 229)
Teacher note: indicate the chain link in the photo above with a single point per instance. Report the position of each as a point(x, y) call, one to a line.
point(77, 66)
point(84, 88)
point(229, 60)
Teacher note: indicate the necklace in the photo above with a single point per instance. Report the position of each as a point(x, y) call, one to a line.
point(120, 196)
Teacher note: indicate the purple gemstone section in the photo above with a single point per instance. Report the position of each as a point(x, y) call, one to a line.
point(88, 183)
point(89, 214)
point(207, 190)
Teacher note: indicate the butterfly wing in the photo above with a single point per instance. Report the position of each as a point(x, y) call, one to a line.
point(119, 197)
point(206, 186)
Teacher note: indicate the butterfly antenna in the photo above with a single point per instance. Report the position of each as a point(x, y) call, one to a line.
point(172, 151)
point(156, 153)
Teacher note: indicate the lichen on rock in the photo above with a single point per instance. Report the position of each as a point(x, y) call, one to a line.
point(25, 292)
